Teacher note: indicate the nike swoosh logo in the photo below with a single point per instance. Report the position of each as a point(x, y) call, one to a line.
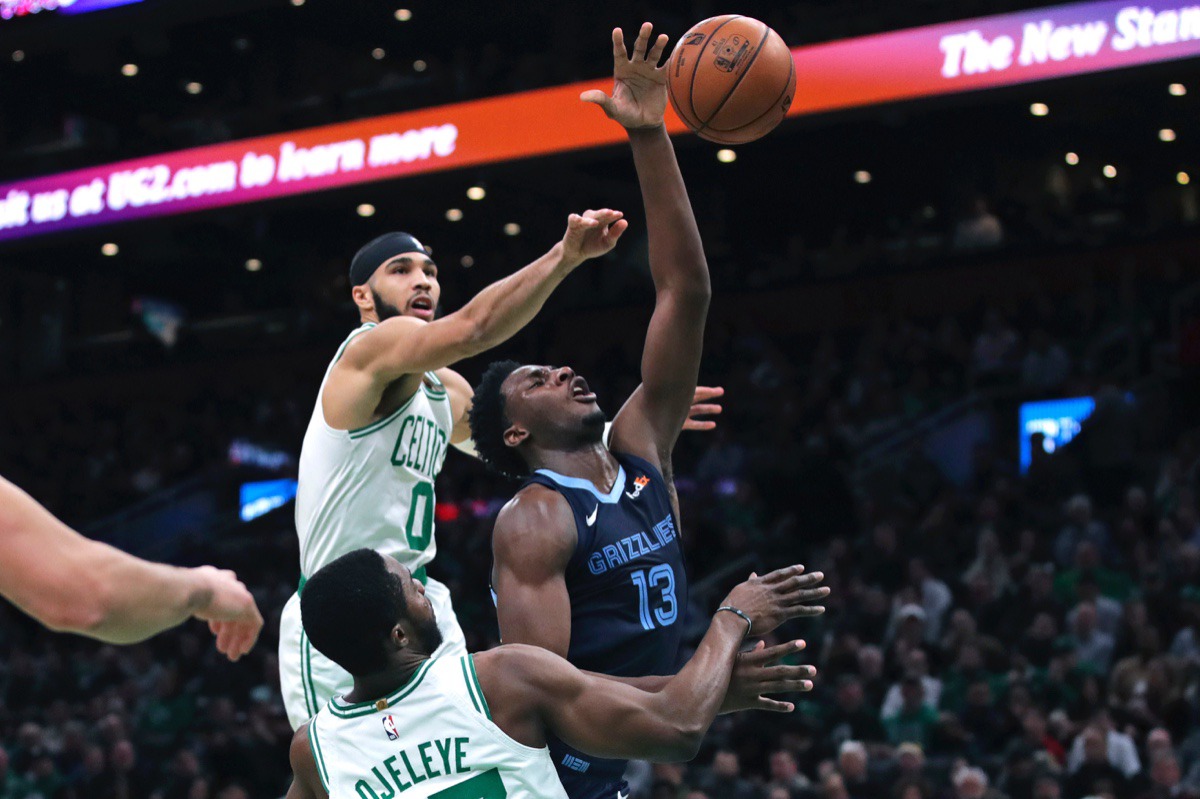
point(622, 795)
point(590, 521)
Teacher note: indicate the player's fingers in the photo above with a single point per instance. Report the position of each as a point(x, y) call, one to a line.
point(597, 97)
point(778, 675)
point(696, 426)
point(785, 687)
point(660, 44)
point(705, 409)
point(619, 50)
point(605, 215)
point(805, 611)
point(779, 575)
point(616, 229)
point(773, 705)
point(642, 41)
point(705, 393)
point(799, 581)
point(805, 596)
point(763, 655)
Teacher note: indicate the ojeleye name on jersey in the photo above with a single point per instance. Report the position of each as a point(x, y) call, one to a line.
point(422, 762)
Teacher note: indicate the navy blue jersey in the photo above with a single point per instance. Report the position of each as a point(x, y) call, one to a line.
point(628, 591)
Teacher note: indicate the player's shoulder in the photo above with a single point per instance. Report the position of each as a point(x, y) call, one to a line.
point(535, 526)
point(536, 667)
point(363, 347)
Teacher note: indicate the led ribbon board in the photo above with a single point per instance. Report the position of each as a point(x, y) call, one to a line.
point(935, 60)
point(13, 9)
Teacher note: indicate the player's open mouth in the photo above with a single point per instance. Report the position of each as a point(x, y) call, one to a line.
point(421, 306)
point(579, 391)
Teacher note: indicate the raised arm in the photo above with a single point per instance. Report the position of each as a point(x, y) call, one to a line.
point(650, 422)
point(531, 690)
point(403, 345)
point(532, 544)
point(73, 584)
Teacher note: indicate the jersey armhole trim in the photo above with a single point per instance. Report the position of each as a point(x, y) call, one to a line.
point(315, 745)
point(379, 424)
point(474, 689)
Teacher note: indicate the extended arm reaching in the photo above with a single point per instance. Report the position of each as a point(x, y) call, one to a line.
point(531, 690)
point(650, 422)
point(73, 584)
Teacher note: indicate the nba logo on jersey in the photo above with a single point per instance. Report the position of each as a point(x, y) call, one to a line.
point(638, 484)
point(389, 726)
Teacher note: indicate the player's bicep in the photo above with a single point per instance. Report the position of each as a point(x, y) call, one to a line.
point(402, 346)
point(532, 544)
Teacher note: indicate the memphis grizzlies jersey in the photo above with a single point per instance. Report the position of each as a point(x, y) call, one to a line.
point(627, 586)
point(432, 738)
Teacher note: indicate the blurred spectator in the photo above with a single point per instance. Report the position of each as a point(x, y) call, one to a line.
point(724, 778)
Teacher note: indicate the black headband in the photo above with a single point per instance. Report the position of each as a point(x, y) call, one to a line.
point(375, 252)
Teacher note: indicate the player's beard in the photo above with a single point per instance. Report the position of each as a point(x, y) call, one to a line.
point(428, 634)
point(593, 426)
point(383, 308)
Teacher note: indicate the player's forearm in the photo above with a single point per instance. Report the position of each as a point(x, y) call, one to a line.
point(499, 311)
point(676, 253)
point(693, 697)
point(73, 584)
point(141, 599)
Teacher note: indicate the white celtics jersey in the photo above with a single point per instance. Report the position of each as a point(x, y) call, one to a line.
point(431, 739)
point(373, 487)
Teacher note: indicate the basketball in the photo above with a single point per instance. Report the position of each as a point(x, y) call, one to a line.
point(731, 79)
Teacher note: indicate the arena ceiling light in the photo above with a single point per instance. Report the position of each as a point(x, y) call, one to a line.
point(419, 65)
point(476, 193)
point(726, 156)
point(297, 3)
point(378, 53)
point(454, 214)
point(253, 265)
point(193, 87)
point(1183, 178)
point(1166, 134)
point(403, 15)
point(129, 70)
point(467, 261)
point(366, 209)
point(1177, 89)
point(512, 229)
point(18, 55)
point(1110, 171)
point(862, 176)
point(1072, 159)
point(1039, 109)
point(110, 249)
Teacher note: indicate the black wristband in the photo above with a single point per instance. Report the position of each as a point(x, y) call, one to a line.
point(731, 609)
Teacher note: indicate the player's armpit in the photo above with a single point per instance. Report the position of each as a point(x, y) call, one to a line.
point(461, 395)
point(532, 544)
point(306, 782)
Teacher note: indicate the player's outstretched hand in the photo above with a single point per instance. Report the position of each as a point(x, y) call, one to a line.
point(639, 97)
point(592, 234)
point(777, 597)
point(702, 405)
point(231, 614)
point(757, 674)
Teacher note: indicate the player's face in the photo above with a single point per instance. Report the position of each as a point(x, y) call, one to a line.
point(406, 285)
point(420, 623)
point(549, 401)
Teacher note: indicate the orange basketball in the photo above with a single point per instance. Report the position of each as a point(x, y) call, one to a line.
point(731, 79)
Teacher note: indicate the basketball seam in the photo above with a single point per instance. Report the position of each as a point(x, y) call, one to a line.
point(691, 94)
point(771, 107)
point(742, 77)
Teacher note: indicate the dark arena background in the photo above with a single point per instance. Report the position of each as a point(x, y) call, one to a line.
point(956, 313)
